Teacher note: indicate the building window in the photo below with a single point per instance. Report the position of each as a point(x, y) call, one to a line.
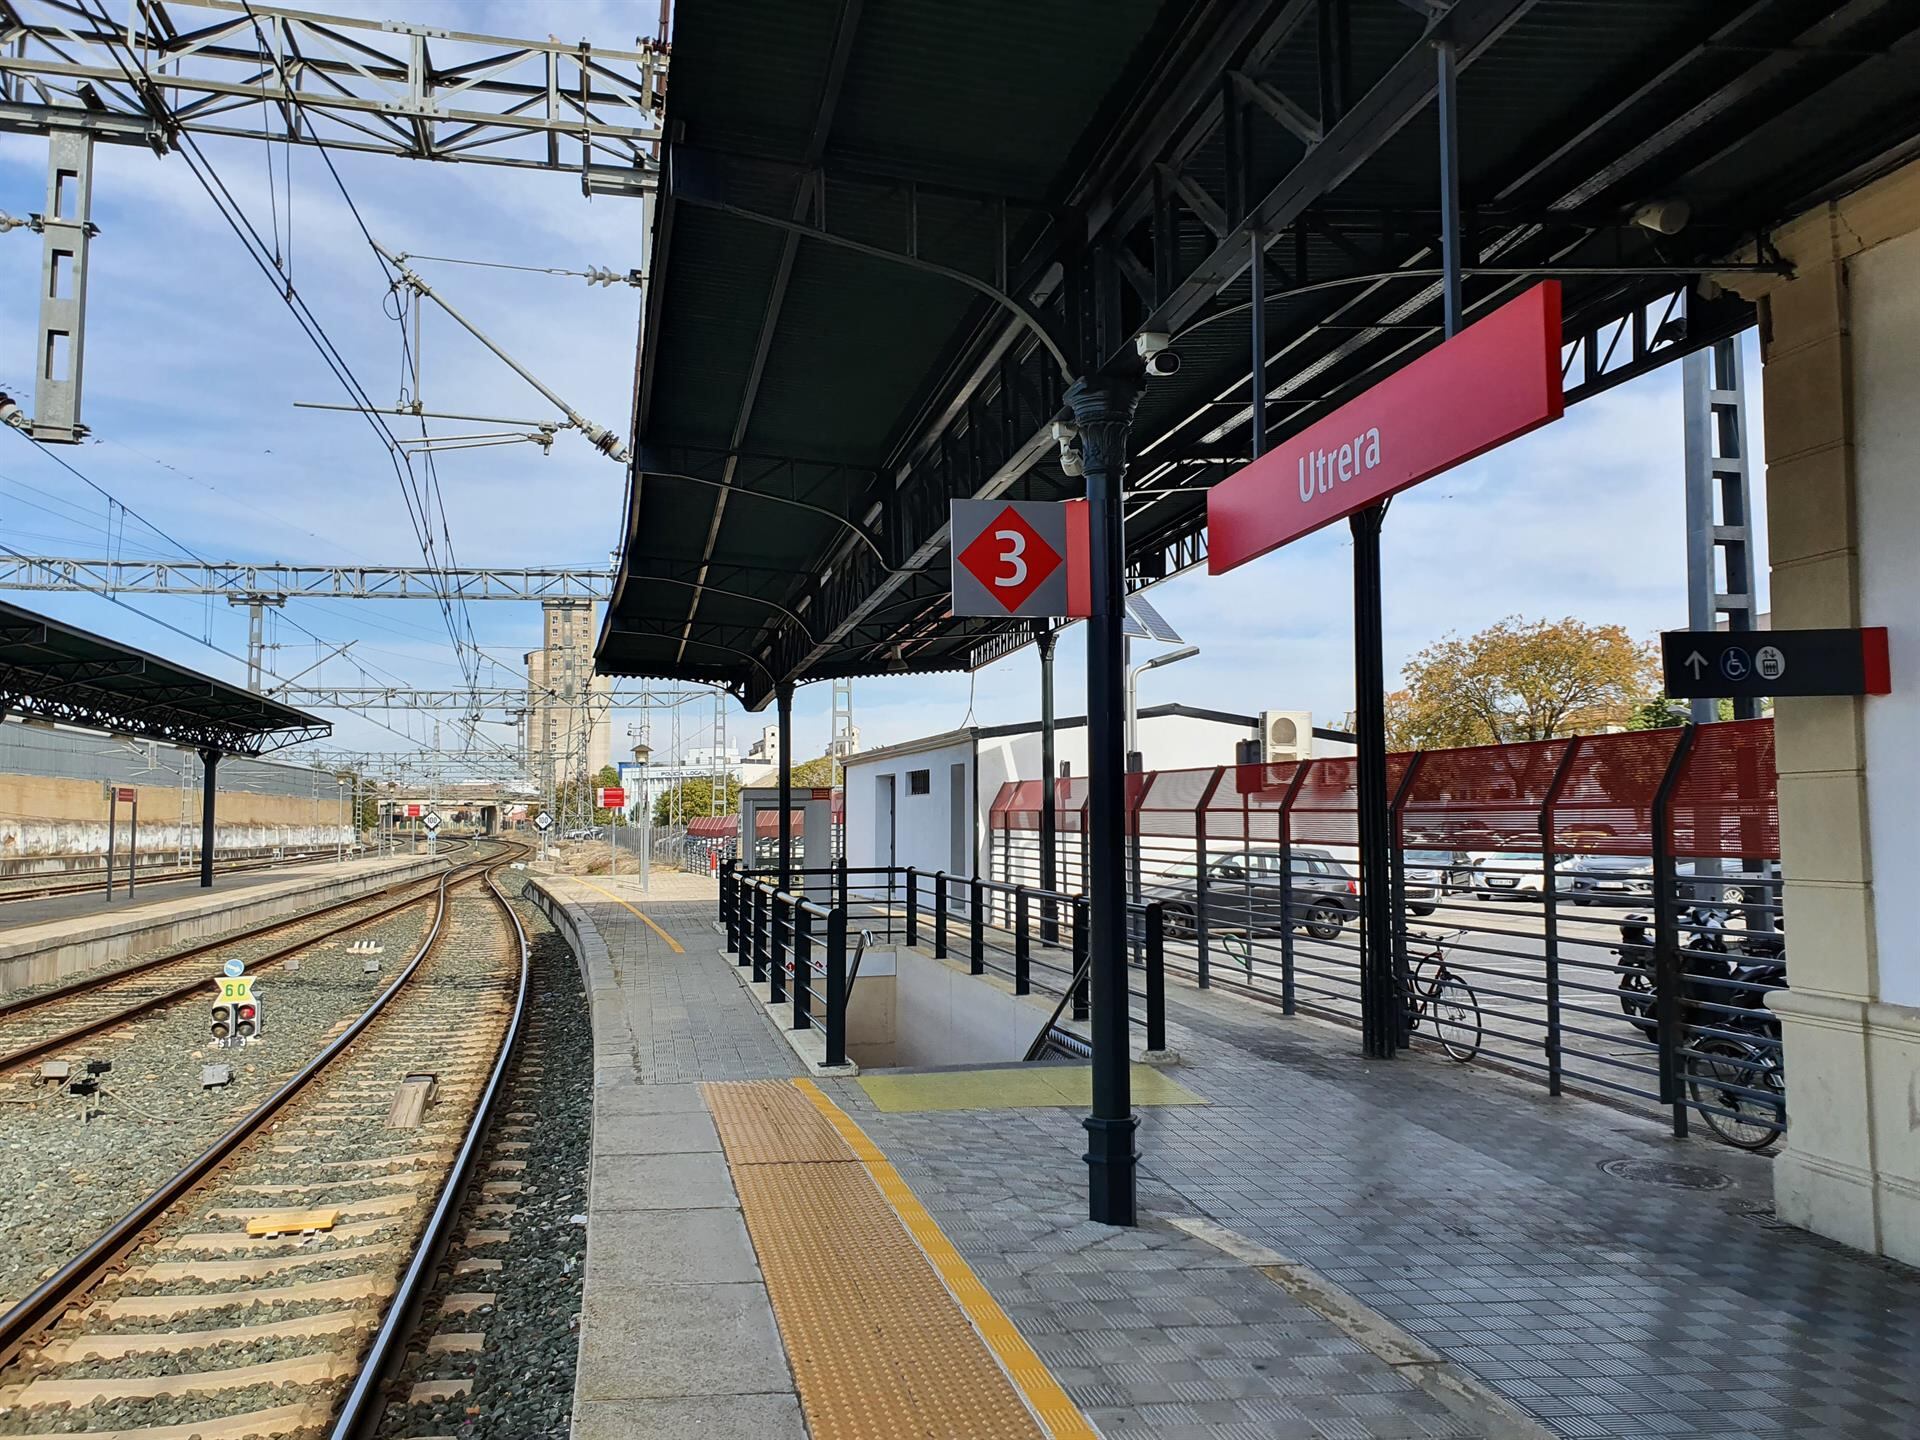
point(919, 782)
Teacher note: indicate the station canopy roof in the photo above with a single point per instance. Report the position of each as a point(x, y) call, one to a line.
point(50, 671)
point(825, 362)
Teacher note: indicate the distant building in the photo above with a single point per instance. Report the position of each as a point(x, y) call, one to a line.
point(925, 802)
point(569, 719)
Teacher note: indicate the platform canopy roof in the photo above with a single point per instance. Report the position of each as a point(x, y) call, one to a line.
point(890, 231)
point(50, 671)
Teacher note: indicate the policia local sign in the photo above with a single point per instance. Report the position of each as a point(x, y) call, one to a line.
point(1750, 664)
point(1491, 383)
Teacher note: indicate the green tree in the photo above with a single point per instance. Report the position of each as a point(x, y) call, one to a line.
point(695, 796)
point(822, 770)
point(1659, 713)
point(1520, 680)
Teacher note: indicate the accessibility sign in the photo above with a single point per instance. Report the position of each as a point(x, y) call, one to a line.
point(543, 821)
point(1019, 557)
point(1725, 664)
point(235, 968)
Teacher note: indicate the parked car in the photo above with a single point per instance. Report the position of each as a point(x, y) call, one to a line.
point(1507, 874)
point(1431, 875)
point(1591, 879)
point(1245, 894)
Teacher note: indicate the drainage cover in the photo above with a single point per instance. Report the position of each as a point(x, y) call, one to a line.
point(1667, 1173)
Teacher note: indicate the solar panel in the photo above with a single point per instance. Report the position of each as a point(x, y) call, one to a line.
point(1143, 622)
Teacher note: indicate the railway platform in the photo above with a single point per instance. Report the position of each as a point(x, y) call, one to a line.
point(61, 936)
point(1328, 1247)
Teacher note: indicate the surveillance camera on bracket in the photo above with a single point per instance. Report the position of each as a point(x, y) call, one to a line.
point(1154, 347)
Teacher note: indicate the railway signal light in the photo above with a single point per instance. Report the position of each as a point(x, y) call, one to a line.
point(221, 1025)
point(246, 1020)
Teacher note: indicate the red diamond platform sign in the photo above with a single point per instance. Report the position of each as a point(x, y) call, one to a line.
point(1018, 557)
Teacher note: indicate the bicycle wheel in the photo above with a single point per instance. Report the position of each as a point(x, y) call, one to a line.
point(1739, 1091)
point(1455, 1012)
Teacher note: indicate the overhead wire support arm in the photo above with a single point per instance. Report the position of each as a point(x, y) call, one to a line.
point(606, 441)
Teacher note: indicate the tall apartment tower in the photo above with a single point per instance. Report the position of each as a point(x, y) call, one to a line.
point(569, 729)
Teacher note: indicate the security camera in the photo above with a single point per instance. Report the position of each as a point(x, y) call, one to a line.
point(1663, 217)
point(1153, 347)
point(1068, 437)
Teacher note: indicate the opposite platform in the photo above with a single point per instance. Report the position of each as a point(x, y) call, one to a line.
point(61, 936)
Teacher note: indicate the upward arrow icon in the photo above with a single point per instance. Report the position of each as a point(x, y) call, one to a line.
point(1696, 662)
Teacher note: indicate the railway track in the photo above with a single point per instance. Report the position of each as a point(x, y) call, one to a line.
point(38, 889)
point(43, 890)
point(184, 1320)
point(41, 1024)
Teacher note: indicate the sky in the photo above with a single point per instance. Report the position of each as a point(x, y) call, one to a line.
point(194, 365)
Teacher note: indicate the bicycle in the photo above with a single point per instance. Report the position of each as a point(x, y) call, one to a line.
point(1445, 1000)
point(1739, 1089)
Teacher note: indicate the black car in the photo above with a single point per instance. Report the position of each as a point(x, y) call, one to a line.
point(1244, 894)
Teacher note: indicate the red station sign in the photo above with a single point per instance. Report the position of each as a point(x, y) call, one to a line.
point(413, 812)
point(1491, 383)
point(611, 797)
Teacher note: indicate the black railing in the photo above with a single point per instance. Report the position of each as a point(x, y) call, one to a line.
point(788, 940)
point(1032, 938)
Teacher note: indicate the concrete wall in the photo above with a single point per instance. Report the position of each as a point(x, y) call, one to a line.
point(1886, 372)
point(944, 1016)
point(1841, 373)
point(43, 816)
point(922, 833)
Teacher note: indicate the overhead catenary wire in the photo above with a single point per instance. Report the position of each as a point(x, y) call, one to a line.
point(413, 492)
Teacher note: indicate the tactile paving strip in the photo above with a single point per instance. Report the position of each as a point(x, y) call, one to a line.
point(768, 1122)
point(881, 1349)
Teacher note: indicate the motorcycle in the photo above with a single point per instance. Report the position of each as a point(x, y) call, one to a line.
point(1731, 1050)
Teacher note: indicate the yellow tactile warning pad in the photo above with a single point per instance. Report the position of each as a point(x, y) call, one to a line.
point(1014, 1088)
point(768, 1122)
point(889, 1332)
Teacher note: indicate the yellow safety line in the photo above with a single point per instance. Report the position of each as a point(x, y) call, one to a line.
point(1024, 1368)
point(672, 944)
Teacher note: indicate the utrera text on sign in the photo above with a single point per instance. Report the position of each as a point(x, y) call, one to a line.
point(1494, 381)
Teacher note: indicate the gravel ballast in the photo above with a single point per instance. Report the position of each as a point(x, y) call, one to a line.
point(523, 1379)
point(446, 1023)
point(64, 1180)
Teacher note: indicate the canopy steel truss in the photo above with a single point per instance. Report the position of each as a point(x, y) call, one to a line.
point(242, 580)
point(384, 87)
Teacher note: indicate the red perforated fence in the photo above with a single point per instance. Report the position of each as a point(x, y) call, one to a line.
point(1592, 795)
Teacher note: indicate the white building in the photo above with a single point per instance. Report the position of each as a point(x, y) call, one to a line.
point(924, 802)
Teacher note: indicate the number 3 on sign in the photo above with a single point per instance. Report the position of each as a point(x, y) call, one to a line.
point(1012, 558)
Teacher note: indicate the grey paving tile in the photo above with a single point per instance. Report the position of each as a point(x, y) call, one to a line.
point(729, 1417)
point(641, 1248)
point(666, 1341)
point(697, 1180)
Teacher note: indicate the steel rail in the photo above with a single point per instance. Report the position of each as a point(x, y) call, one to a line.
point(95, 978)
point(35, 1049)
point(365, 1405)
point(33, 1315)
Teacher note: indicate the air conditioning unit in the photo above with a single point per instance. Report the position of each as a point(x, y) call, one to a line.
point(1286, 735)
